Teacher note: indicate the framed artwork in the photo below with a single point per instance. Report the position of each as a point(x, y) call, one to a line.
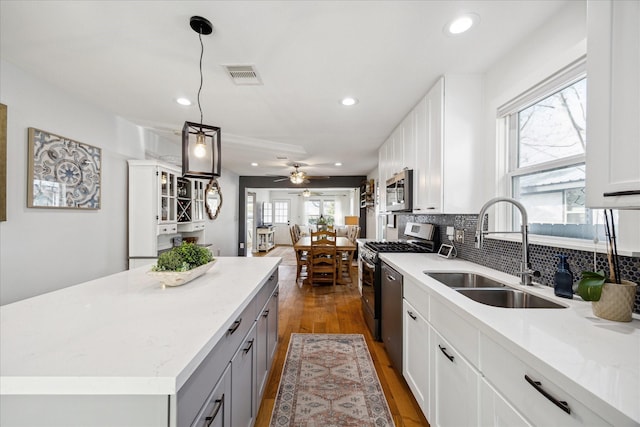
point(3, 162)
point(62, 173)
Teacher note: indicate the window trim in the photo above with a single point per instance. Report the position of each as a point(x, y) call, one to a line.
point(506, 132)
point(287, 202)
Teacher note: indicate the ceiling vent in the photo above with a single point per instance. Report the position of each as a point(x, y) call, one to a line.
point(243, 75)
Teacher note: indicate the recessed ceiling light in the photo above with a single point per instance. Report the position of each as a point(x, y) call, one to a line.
point(254, 164)
point(183, 101)
point(348, 101)
point(462, 23)
point(338, 164)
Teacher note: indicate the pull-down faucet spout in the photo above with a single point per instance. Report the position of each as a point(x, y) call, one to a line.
point(526, 272)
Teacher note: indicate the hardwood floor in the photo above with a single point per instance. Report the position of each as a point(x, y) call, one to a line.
point(325, 309)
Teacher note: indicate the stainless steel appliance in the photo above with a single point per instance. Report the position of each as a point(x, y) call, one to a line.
point(400, 192)
point(371, 272)
point(391, 305)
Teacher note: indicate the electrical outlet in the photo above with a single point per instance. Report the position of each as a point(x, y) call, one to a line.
point(460, 236)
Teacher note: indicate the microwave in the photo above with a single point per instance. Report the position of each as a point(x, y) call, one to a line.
point(400, 192)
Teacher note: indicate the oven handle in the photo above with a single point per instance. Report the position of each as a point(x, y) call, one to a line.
point(368, 265)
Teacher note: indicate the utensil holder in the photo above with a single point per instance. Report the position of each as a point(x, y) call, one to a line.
point(616, 301)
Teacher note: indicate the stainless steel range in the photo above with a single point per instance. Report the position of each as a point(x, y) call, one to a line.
point(371, 269)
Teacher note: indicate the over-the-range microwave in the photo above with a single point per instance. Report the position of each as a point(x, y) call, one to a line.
point(400, 192)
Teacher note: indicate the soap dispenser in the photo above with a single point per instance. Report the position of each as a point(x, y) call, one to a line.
point(563, 279)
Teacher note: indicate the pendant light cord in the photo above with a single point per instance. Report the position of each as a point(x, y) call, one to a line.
point(200, 88)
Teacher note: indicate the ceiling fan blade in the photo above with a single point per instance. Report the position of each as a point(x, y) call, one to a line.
point(317, 177)
point(281, 179)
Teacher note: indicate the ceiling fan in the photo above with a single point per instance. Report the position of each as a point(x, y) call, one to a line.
point(298, 177)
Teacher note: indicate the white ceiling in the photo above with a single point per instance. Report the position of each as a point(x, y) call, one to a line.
point(134, 58)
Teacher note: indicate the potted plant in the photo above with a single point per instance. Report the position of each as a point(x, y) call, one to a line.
point(182, 264)
point(611, 297)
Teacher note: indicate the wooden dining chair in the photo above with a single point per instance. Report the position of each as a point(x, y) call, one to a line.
point(323, 263)
point(301, 256)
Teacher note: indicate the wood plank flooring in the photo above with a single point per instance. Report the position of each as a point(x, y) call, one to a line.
point(325, 309)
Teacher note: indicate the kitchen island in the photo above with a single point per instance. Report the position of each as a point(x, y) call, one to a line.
point(589, 365)
point(124, 343)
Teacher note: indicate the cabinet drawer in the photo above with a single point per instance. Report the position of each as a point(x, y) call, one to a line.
point(194, 392)
point(507, 374)
point(417, 295)
point(265, 292)
point(460, 333)
point(217, 409)
point(168, 229)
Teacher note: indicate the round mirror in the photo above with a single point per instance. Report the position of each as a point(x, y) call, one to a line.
point(213, 199)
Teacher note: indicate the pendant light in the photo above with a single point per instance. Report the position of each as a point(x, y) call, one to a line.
point(201, 143)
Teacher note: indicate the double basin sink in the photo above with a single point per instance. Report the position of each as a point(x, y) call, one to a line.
point(488, 291)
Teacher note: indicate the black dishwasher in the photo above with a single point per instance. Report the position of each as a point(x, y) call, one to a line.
point(391, 322)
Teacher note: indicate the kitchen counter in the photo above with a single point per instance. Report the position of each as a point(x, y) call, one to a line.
point(600, 359)
point(124, 333)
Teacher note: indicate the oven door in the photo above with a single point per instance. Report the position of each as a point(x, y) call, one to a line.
point(367, 282)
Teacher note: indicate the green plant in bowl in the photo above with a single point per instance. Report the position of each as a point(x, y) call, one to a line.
point(183, 258)
point(590, 286)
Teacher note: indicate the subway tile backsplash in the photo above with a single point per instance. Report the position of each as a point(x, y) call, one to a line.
point(506, 256)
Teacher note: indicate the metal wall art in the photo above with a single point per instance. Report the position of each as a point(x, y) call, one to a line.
point(63, 173)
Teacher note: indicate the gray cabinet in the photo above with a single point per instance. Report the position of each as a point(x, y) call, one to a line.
point(216, 411)
point(267, 340)
point(243, 382)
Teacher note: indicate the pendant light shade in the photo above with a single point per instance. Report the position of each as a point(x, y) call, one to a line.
point(201, 144)
point(201, 151)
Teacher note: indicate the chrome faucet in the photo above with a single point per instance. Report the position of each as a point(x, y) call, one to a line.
point(526, 272)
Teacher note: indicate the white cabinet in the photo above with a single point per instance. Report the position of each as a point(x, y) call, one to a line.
point(152, 205)
point(532, 392)
point(427, 175)
point(441, 141)
point(415, 366)
point(456, 386)
point(161, 205)
point(190, 205)
point(496, 411)
point(613, 98)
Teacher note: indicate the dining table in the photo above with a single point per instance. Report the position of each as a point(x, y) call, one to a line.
point(343, 245)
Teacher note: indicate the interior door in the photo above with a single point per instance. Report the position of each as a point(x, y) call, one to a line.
point(281, 221)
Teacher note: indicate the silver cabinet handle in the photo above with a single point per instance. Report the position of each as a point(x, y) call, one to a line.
point(391, 278)
point(216, 409)
point(266, 313)
point(538, 386)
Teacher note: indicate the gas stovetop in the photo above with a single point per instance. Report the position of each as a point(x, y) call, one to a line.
point(400, 246)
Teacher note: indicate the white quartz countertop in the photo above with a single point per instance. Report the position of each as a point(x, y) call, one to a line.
point(600, 359)
point(124, 333)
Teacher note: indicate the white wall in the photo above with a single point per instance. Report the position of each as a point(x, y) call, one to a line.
point(47, 249)
point(551, 47)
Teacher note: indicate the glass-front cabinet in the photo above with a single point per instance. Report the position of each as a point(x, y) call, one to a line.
point(168, 194)
point(190, 204)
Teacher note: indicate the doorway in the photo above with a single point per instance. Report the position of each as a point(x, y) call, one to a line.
point(250, 225)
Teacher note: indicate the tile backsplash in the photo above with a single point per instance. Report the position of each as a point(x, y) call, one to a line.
point(506, 256)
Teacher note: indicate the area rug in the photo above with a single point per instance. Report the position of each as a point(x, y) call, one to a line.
point(287, 254)
point(329, 380)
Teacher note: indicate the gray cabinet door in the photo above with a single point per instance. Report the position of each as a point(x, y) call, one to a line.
point(243, 382)
point(216, 412)
point(272, 329)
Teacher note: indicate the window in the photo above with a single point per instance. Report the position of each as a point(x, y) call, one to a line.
point(314, 208)
point(281, 211)
point(267, 213)
point(546, 138)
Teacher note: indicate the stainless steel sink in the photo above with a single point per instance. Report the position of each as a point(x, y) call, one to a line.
point(465, 280)
point(508, 298)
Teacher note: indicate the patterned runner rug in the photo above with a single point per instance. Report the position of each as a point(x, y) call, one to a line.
point(329, 380)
